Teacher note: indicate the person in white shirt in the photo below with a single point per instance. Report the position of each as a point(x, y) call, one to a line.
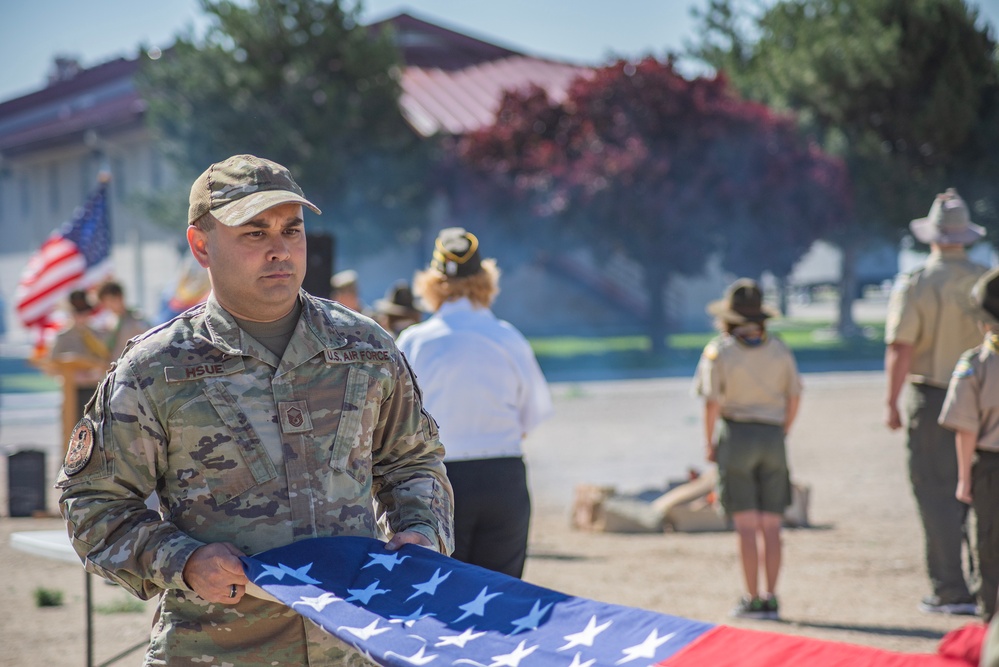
point(483, 386)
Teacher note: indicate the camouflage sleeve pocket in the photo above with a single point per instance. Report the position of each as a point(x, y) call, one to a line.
point(358, 417)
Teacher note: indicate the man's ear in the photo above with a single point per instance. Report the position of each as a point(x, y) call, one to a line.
point(198, 241)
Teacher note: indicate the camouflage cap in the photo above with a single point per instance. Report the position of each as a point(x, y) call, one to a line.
point(241, 187)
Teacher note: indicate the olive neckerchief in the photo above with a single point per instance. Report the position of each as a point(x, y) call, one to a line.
point(94, 344)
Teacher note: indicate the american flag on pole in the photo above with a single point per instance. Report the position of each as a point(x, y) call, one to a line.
point(416, 607)
point(75, 256)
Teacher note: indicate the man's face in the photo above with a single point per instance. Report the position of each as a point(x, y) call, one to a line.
point(114, 303)
point(257, 268)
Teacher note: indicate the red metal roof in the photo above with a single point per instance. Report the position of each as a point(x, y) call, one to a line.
point(100, 98)
point(452, 83)
point(455, 102)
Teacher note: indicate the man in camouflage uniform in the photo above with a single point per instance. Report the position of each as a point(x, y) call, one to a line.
point(930, 324)
point(262, 417)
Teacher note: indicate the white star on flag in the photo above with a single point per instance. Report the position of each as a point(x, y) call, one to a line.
point(477, 606)
point(411, 618)
point(279, 572)
point(365, 594)
point(366, 632)
point(429, 587)
point(459, 640)
point(646, 649)
point(513, 659)
point(576, 662)
point(319, 603)
point(586, 636)
point(416, 659)
point(388, 561)
point(533, 619)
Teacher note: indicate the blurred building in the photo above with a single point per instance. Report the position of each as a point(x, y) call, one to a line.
point(54, 141)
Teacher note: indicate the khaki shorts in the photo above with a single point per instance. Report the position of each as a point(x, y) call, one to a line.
point(752, 467)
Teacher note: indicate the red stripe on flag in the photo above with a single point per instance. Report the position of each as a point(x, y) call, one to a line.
point(51, 273)
point(733, 647)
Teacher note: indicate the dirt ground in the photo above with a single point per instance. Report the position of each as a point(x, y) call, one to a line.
point(855, 576)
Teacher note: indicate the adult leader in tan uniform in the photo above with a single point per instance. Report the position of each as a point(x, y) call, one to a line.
point(930, 324)
point(262, 417)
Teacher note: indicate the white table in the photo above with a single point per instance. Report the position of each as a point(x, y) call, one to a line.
point(48, 543)
point(55, 544)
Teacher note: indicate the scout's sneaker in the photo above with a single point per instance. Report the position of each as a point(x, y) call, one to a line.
point(750, 608)
point(933, 605)
point(772, 608)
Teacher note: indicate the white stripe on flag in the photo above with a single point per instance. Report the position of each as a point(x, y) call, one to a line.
point(50, 275)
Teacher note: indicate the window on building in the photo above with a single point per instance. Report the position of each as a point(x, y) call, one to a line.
point(25, 197)
point(87, 178)
point(55, 202)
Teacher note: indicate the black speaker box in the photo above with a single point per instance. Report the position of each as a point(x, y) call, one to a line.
point(319, 263)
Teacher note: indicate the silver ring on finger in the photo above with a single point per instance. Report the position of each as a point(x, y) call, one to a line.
point(232, 590)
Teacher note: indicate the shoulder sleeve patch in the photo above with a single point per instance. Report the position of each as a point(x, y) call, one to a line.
point(81, 447)
point(963, 369)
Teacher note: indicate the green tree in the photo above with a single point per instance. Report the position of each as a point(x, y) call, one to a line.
point(303, 83)
point(897, 88)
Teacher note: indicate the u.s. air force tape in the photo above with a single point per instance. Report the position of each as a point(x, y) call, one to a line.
point(81, 446)
point(352, 356)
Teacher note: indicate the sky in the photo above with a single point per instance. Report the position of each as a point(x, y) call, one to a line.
point(585, 31)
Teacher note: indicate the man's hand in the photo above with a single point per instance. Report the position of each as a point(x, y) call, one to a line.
point(711, 452)
point(892, 418)
point(963, 492)
point(408, 537)
point(213, 570)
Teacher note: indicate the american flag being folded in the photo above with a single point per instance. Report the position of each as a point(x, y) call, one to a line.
point(417, 607)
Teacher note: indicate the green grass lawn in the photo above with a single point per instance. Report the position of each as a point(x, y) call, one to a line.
point(17, 375)
point(813, 343)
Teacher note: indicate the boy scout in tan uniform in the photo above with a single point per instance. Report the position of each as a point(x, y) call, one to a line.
point(971, 410)
point(750, 385)
point(262, 417)
point(928, 327)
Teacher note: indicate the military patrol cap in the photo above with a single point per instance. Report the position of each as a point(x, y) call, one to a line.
point(456, 253)
point(948, 222)
point(743, 303)
point(985, 295)
point(240, 188)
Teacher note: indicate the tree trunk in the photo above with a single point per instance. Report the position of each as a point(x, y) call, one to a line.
point(846, 327)
point(655, 283)
point(781, 284)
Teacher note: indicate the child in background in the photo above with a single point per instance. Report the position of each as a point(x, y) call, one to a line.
point(971, 409)
point(751, 389)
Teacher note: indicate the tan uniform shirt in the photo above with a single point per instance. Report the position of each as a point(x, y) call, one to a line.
point(930, 309)
point(244, 447)
point(972, 402)
point(126, 328)
point(750, 384)
point(81, 342)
